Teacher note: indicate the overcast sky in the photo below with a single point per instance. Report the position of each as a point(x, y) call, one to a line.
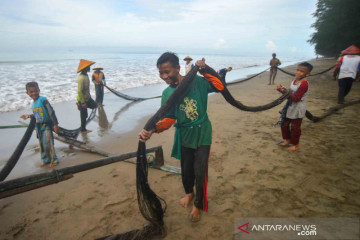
point(247, 27)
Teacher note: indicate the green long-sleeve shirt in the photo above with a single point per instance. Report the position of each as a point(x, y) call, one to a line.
point(83, 88)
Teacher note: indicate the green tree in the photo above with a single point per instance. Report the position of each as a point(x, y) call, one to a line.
point(337, 26)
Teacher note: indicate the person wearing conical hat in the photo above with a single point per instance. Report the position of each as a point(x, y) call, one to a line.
point(188, 64)
point(84, 100)
point(98, 79)
point(348, 67)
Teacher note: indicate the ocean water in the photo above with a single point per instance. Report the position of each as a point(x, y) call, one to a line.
point(57, 77)
point(134, 74)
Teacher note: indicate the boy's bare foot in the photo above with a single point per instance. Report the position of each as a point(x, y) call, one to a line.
point(42, 164)
point(195, 214)
point(285, 143)
point(86, 131)
point(293, 148)
point(53, 164)
point(186, 200)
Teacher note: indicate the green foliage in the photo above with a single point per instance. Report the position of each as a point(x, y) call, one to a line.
point(337, 26)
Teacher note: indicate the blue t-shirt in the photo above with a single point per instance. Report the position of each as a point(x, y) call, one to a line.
point(40, 113)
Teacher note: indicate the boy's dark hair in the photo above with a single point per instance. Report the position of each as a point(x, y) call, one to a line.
point(170, 57)
point(31, 84)
point(307, 65)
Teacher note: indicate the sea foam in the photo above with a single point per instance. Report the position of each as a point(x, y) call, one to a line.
point(57, 78)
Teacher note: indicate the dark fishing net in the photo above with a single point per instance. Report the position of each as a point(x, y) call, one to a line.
point(22, 144)
point(326, 70)
point(246, 79)
point(151, 205)
point(75, 132)
point(10, 164)
point(230, 99)
point(127, 97)
point(286, 72)
point(330, 111)
point(292, 74)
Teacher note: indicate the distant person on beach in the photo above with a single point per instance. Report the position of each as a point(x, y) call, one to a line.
point(46, 122)
point(222, 72)
point(84, 100)
point(188, 64)
point(295, 107)
point(348, 67)
point(193, 129)
point(98, 79)
point(274, 63)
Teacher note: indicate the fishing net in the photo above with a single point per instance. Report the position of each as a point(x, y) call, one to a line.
point(151, 205)
point(127, 97)
point(292, 74)
point(10, 164)
point(230, 99)
point(330, 111)
point(246, 79)
point(5, 171)
point(75, 132)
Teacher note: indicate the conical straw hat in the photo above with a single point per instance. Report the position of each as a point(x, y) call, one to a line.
point(187, 57)
point(351, 50)
point(84, 64)
point(97, 67)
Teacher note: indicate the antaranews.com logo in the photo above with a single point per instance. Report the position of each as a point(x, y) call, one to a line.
point(296, 228)
point(301, 230)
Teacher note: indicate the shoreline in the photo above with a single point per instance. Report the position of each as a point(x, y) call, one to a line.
point(113, 108)
point(249, 175)
point(124, 83)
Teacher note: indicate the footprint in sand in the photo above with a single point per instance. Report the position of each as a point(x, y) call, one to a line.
point(5, 206)
point(88, 199)
point(228, 211)
point(114, 204)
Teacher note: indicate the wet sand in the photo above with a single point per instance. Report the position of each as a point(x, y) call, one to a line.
point(249, 174)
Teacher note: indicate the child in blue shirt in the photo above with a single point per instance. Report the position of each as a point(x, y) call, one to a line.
point(46, 122)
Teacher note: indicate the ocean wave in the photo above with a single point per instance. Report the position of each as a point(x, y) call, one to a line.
point(58, 79)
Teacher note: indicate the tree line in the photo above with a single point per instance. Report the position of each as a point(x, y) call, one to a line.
point(337, 26)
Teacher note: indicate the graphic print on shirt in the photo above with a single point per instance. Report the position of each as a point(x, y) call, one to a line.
point(38, 114)
point(190, 108)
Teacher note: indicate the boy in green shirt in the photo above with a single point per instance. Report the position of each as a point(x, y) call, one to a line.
point(193, 129)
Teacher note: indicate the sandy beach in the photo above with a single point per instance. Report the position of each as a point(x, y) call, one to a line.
point(249, 174)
